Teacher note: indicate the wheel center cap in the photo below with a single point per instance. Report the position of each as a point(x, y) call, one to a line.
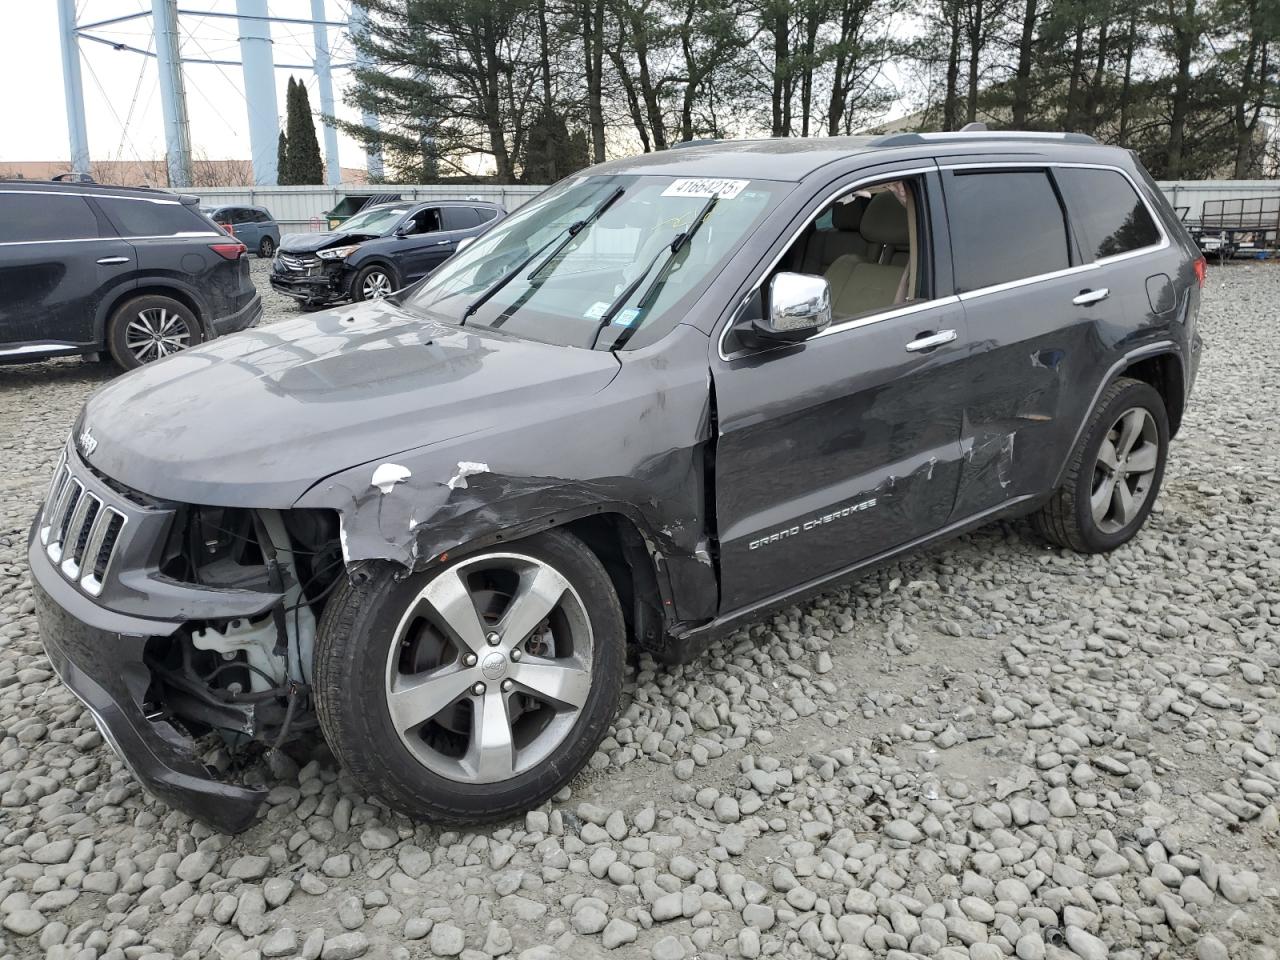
point(493, 666)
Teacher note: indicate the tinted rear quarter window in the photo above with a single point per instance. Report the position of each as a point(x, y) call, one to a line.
point(150, 218)
point(26, 217)
point(486, 213)
point(1108, 214)
point(1005, 225)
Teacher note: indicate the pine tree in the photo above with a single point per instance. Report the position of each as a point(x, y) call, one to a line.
point(282, 158)
point(303, 163)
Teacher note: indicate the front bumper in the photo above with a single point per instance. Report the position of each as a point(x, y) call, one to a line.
point(316, 288)
point(244, 318)
point(98, 654)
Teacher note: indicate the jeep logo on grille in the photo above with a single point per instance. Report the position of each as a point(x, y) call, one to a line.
point(87, 442)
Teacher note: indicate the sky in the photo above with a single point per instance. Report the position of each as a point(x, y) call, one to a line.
point(121, 89)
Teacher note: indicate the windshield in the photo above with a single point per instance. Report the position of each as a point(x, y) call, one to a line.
point(621, 279)
point(375, 220)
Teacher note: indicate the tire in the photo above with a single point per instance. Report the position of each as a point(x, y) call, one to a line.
point(373, 283)
point(380, 637)
point(149, 328)
point(1130, 418)
point(266, 248)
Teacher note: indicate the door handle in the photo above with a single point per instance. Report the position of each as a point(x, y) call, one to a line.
point(112, 260)
point(928, 341)
point(443, 243)
point(1087, 297)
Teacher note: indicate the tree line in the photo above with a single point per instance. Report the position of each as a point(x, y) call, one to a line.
point(540, 88)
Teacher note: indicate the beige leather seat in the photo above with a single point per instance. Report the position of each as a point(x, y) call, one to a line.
point(825, 247)
point(859, 285)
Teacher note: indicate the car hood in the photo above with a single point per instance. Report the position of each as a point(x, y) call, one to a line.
point(256, 418)
point(311, 242)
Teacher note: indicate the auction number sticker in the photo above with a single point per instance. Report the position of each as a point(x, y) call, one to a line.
point(705, 187)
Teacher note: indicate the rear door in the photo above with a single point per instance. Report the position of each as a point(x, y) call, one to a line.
point(57, 264)
point(1039, 317)
point(246, 227)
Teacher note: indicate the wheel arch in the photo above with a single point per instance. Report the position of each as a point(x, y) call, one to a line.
point(374, 260)
point(1164, 372)
point(147, 288)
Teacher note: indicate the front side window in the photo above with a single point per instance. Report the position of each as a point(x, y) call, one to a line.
point(151, 218)
point(599, 262)
point(1109, 216)
point(27, 217)
point(868, 245)
point(1005, 225)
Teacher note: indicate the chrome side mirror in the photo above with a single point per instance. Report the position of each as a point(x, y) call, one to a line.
point(799, 306)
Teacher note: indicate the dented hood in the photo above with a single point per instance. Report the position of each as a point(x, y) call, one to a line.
point(256, 418)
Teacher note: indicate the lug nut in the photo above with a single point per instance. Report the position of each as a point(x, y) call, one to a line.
point(478, 689)
point(493, 639)
point(507, 685)
point(515, 654)
point(469, 659)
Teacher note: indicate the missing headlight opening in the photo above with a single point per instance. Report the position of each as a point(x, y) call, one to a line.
point(248, 677)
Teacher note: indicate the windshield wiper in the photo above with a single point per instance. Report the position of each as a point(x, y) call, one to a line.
point(671, 250)
point(564, 237)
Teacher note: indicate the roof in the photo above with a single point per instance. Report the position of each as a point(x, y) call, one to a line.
point(795, 158)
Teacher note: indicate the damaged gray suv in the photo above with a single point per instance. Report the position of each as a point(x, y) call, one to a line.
point(666, 394)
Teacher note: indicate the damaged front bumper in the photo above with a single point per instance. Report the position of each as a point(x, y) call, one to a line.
point(98, 655)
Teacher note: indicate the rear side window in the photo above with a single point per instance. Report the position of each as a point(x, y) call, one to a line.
point(485, 213)
point(1108, 214)
point(148, 218)
point(261, 216)
point(26, 217)
point(459, 218)
point(1005, 225)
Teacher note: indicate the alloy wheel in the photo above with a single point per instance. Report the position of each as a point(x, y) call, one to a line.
point(156, 332)
point(490, 668)
point(376, 285)
point(1124, 470)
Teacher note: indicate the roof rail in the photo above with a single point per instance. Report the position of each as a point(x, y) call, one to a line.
point(907, 139)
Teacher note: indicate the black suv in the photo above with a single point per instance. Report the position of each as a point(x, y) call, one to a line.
point(379, 250)
point(669, 393)
point(138, 273)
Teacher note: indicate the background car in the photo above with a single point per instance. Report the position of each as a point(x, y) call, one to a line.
point(381, 249)
point(137, 273)
point(255, 227)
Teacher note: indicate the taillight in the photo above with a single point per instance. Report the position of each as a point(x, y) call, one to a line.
point(229, 251)
point(1201, 265)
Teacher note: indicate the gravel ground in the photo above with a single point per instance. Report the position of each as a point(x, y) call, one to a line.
point(991, 749)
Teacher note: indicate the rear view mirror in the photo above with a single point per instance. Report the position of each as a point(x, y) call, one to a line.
point(799, 306)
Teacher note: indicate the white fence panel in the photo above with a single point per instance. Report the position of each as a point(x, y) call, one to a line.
point(303, 208)
point(300, 209)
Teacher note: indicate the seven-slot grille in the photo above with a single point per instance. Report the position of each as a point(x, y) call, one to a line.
point(298, 266)
point(79, 530)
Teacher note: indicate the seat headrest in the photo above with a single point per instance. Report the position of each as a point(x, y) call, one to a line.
point(847, 216)
point(886, 221)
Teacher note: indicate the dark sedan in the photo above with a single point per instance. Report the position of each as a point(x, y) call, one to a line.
point(381, 249)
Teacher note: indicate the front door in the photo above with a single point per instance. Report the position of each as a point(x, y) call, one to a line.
point(846, 446)
point(427, 244)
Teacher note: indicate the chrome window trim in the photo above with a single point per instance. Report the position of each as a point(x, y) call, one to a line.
point(185, 235)
point(855, 322)
point(94, 196)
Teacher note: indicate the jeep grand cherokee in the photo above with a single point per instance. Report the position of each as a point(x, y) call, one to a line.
point(670, 392)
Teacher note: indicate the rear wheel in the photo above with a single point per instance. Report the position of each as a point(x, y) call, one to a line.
point(266, 248)
point(373, 283)
point(476, 691)
point(1114, 474)
point(150, 328)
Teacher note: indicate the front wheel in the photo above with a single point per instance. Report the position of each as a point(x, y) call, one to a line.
point(475, 691)
point(372, 283)
point(150, 328)
point(1114, 474)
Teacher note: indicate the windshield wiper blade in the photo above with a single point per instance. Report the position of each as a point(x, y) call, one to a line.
point(577, 228)
point(671, 250)
point(564, 237)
